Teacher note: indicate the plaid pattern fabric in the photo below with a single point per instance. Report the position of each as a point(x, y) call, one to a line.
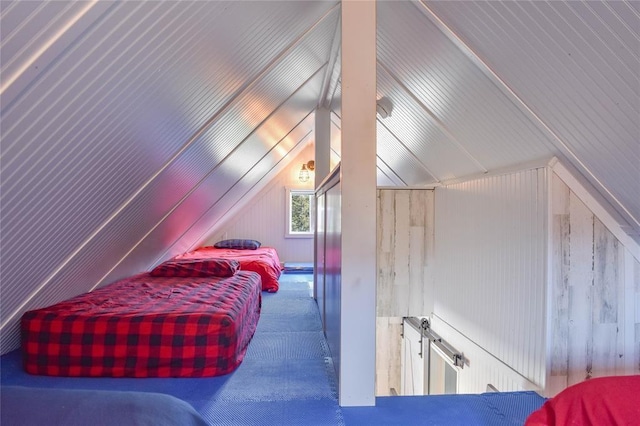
point(238, 244)
point(208, 267)
point(146, 326)
point(264, 261)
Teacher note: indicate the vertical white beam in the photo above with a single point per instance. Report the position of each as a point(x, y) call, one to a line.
point(358, 180)
point(323, 144)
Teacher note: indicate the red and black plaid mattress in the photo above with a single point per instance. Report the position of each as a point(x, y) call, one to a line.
point(264, 261)
point(146, 326)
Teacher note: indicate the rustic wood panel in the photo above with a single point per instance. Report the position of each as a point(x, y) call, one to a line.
point(605, 275)
point(580, 292)
point(623, 357)
point(559, 292)
point(600, 335)
point(401, 254)
point(388, 355)
point(386, 242)
point(606, 287)
point(405, 252)
point(605, 352)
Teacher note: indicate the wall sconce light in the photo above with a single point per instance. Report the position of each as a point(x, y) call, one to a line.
point(304, 174)
point(384, 107)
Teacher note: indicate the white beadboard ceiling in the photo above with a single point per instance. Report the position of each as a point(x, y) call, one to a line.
point(130, 129)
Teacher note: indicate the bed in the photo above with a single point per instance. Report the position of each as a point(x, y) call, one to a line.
point(613, 400)
point(26, 406)
point(263, 260)
point(155, 324)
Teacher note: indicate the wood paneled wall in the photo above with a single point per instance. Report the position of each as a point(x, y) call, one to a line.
point(405, 252)
point(514, 252)
point(594, 296)
point(405, 273)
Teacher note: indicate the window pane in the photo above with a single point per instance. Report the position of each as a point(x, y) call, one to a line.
point(300, 213)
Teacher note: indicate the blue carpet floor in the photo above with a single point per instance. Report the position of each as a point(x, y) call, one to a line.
point(287, 378)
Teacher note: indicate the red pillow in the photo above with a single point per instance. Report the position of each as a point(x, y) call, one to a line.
point(599, 401)
point(209, 267)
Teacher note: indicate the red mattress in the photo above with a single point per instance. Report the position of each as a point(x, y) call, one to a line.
point(146, 326)
point(263, 260)
point(613, 400)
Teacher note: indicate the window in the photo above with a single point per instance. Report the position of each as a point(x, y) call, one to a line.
point(300, 209)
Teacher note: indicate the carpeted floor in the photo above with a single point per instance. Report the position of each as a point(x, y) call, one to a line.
point(287, 378)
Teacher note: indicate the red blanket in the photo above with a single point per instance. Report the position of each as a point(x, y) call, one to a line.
point(146, 326)
point(264, 261)
point(613, 400)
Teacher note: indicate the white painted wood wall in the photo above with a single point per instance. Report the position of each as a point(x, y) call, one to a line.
point(536, 290)
point(594, 296)
point(490, 244)
point(483, 368)
point(405, 273)
point(265, 218)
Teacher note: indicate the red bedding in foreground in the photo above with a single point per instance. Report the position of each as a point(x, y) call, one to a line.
point(613, 400)
point(146, 326)
point(263, 260)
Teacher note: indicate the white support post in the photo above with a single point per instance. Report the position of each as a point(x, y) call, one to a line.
point(323, 144)
point(358, 208)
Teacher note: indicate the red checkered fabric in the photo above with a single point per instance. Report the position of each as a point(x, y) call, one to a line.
point(206, 267)
point(264, 261)
point(146, 326)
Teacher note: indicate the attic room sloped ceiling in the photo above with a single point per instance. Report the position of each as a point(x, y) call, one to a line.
point(129, 129)
point(124, 124)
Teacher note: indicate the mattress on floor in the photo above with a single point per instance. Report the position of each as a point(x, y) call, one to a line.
point(146, 326)
point(26, 406)
point(263, 260)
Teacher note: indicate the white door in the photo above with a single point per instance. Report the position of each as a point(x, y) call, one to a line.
point(412, 379)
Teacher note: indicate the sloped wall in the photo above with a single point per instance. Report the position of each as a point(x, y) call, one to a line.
point(136, 127)
point(265, 218)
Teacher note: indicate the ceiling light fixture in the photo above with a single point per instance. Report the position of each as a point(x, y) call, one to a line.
point(304, 174)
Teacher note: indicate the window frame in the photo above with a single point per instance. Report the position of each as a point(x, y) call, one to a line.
point(299, 191)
